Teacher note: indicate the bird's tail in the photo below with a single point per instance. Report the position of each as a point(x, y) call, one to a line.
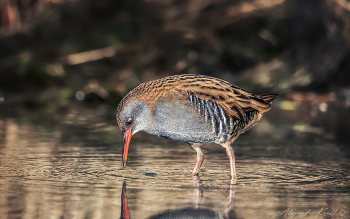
point(268, 97)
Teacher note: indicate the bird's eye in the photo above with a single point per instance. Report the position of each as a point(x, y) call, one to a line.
point(129, 122)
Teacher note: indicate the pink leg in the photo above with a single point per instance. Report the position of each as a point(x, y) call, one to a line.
point(199, 160)
point(231, 155)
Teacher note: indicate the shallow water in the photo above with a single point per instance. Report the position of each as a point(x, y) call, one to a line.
point(286, 168)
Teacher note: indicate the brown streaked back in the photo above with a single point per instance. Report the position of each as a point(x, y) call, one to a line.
point(235, 100)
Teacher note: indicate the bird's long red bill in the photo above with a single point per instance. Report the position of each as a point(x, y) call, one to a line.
point(126, 142)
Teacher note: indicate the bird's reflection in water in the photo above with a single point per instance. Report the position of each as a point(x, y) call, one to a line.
point(190, 212)
point(124, 213)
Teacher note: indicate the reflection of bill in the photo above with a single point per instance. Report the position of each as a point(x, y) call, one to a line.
point(124, 214)
point(191, 212)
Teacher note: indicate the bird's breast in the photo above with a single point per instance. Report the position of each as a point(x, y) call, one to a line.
point(192, 121)
point(179, 120)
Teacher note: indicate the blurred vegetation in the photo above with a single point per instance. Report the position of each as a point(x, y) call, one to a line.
point(50, 49)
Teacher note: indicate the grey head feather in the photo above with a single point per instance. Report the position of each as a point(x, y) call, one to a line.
point(139, 113)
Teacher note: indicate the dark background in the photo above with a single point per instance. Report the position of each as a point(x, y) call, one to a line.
point(51, 49)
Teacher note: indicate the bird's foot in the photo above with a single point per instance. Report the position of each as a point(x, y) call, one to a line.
point(195, 174)
point(233, 180)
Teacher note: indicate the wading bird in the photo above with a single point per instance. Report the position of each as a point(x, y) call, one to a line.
point(195, 109)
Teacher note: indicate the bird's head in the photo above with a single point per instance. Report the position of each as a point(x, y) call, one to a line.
point(132, 116)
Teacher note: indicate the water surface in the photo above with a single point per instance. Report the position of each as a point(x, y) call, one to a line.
point(72, 168)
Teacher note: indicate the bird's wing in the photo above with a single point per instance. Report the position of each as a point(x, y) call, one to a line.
point(235, 100)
